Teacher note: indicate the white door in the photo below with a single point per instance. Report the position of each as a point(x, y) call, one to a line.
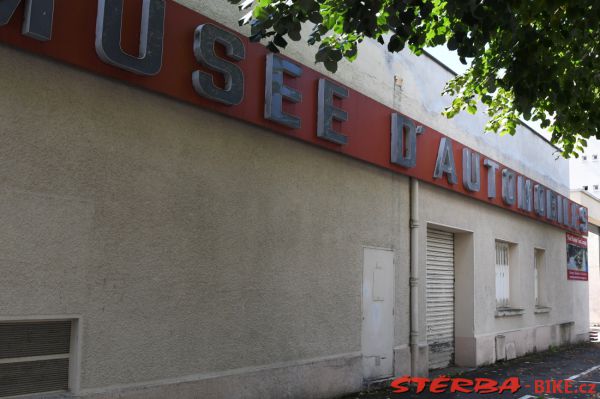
point(378, 313)
point(440, 298)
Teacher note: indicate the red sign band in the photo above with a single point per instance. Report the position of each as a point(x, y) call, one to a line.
point(310, 107)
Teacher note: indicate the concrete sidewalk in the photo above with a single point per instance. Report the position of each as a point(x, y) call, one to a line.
point(580, 363)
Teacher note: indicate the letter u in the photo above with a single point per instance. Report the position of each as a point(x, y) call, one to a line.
point(108, 37)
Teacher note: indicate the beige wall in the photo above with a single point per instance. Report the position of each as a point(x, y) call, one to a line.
point(187, 242)
point(483, 224)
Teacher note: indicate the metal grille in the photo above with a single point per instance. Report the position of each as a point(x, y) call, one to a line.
point(34, 357)
point(33, 377)
point(34, 339)
point(502, 274)
point(440, 298)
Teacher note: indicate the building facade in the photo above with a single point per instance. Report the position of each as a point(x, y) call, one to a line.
point(165, 234)
point(589, 200)
point(585, 170)
point(585, 189)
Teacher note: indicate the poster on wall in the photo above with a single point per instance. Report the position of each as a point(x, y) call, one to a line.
point(577, 260)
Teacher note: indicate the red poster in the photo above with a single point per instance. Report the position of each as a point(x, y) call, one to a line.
point(577, 260)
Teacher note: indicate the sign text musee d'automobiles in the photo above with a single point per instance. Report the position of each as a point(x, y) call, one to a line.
point(180, 53)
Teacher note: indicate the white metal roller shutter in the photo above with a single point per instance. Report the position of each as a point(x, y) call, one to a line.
point(440, 298)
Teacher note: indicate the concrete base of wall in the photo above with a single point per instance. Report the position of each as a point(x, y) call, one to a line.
point(490, 349)
point(582, 337)
point(316, 378)
point(422, 361)
point(402, 360)
point(464, 351)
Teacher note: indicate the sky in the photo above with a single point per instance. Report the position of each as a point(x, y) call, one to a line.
point(448, 58)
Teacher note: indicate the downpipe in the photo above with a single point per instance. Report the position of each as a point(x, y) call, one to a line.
point(414, 275)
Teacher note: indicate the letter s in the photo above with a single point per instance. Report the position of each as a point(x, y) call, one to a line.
point(205, 37)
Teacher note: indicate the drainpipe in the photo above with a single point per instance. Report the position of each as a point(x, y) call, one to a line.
point(414, 275)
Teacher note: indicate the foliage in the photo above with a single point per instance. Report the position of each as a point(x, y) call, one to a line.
point(534, 59)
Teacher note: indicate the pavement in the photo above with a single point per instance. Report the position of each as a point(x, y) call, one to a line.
point(564, 373)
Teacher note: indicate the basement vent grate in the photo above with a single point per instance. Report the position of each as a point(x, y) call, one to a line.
point(595, 334)
point(34, 357)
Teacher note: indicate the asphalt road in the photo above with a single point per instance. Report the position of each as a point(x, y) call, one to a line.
point(549, 371)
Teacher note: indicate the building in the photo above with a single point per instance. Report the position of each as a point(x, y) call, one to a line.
point(592, 202)
point(189, 222)
point(584, 184)
point(585, 170)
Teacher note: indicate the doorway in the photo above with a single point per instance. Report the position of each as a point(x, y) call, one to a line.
point(378, 313)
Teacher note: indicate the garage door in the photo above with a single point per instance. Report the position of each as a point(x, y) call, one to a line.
point(440, 298)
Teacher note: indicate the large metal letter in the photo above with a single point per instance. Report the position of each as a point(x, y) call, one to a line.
point(108, 37)
point(404, 141)
point(508, 186)
point(524, 193)
point(539, 199)
point(445, 161)
point(574, 216)
point(491, 180)
point(327, 112)
point(205, 37)
point(276, 91)
point(583, 219)
point(471, 173)
point(37, 23)
point(566, 212)
point(551, 205)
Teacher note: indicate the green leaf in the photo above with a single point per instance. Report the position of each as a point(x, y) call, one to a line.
point(331, 65)
point(452, 44)
point(280, 41)
point(395, 44)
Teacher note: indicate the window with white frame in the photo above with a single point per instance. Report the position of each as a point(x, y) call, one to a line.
point(502, 274)
point(536, 279)
point(538, 264)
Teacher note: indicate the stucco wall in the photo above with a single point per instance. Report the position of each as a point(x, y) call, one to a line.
point(191, 244)
point(419, 96)
point(568, 300)
point(187, 242)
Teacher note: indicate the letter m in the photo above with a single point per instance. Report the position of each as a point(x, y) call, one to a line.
point(37, 23)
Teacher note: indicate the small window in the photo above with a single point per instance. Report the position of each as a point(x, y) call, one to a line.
point(594, 157)
point(584, 157)
point(595, 187)
point(585, 188)
point(34, 356)
point(538, 264)
point(502, 274)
